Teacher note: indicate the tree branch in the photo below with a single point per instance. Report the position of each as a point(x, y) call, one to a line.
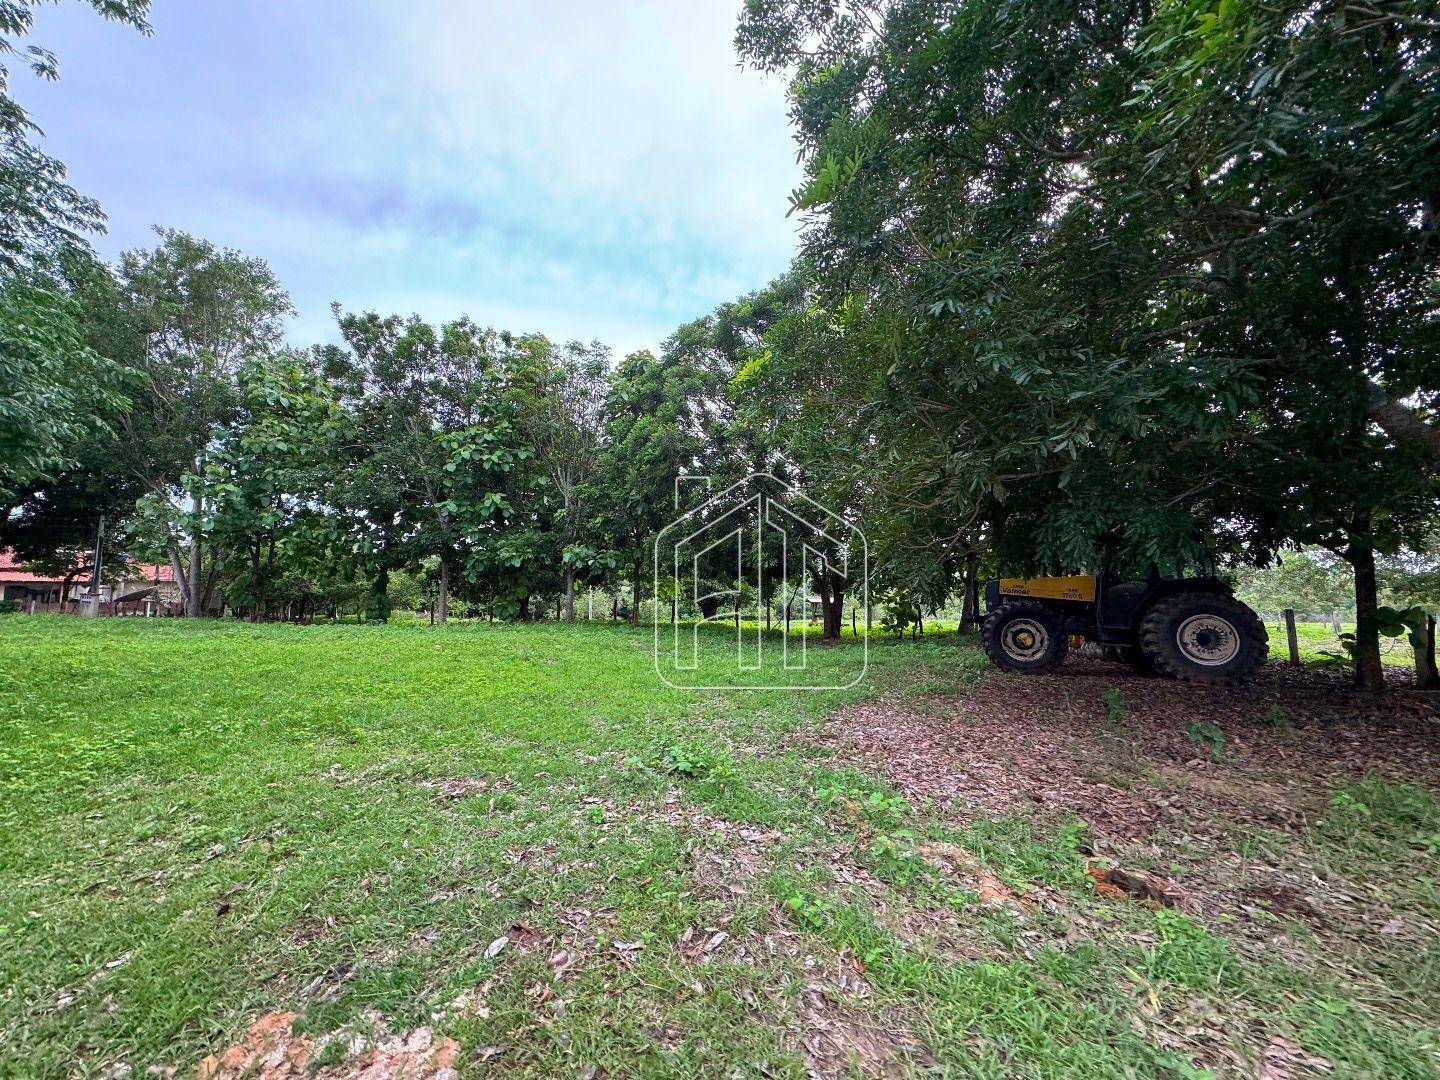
point(1400, 421)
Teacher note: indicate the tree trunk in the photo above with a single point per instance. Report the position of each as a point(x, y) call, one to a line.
point(258, 600)
point(832, 601)
point(1427, 676)
point(1369, 671)
point(970, 608)
point(377, 606)
point(67, 583)
point(182, 581)
point(442, 595)
point(569, 594)
point(525, 609)
point(212, 576)
point(194, 611)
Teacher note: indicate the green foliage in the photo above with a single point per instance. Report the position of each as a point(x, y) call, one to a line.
point(693, 762)
point(852, 795)
point(1310, 581)
point(653, 432)
point(899, 615)
point(1188, 954)
point(1374, 808)
point(808, 910)
point(267, 477)
point(1111, 289)
point(56, 387)
point(378, 604)
point(1276, 717)
point(1389, 622)
point(1116, 707)
point(1206, 734)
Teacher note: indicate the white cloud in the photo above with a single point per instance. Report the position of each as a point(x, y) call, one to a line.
point(579, 168)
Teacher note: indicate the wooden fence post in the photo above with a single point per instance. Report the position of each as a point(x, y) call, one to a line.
point(1291, 637)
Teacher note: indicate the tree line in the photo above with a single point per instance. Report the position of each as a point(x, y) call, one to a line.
point(1078, 282)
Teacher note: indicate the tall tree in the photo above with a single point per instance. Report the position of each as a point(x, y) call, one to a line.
point(1144, 268)
point(183, 317)
point(434, 441)
point(561, 395)
point(51, 385)
point(268, 474)
point(653, 433)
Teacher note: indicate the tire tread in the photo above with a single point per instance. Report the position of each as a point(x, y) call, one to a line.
point(1157, 643)
point(990, 643)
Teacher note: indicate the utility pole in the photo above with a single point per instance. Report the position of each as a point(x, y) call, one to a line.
point(95, 568)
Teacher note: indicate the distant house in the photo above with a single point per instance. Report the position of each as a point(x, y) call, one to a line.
point(19, 584)
point(144, 588)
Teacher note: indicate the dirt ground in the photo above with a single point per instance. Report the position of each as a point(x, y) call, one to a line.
point(1219, 790)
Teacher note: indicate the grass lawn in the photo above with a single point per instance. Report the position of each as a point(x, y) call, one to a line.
point(512, 847)
point(1318, 641)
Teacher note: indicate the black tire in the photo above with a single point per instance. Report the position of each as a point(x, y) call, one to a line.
point(1025, 637)
point(1204, 637)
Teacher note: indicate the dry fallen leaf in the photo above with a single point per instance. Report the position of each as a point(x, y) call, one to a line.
point(561, 962)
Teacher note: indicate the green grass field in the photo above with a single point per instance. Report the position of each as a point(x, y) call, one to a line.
point(1319, 644)
point(204, 823)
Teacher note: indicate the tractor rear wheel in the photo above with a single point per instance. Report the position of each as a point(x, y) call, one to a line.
point(1204, 637)
point(1025, 637)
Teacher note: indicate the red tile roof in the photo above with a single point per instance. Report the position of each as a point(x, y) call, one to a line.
point(11, 572)
point(155, 572)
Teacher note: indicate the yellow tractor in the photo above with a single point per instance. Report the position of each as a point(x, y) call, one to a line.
point(1188, 627)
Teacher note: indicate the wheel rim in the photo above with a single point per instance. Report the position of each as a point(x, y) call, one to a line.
point(1024, 640)
point(1208, 640)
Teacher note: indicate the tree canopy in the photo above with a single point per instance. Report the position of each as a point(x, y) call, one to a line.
point(1077, 282)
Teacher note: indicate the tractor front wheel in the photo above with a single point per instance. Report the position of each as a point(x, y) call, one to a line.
point(1204, 637)
point(1025, 637)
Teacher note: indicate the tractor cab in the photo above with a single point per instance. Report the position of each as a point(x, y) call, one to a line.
point(1120, 601)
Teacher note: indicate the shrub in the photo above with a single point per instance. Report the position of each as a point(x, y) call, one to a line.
point(1208, 735)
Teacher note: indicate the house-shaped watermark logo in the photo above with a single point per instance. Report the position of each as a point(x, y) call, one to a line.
point(747, 582)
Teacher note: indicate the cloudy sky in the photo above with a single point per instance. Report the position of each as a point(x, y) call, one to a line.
point(586, 169)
